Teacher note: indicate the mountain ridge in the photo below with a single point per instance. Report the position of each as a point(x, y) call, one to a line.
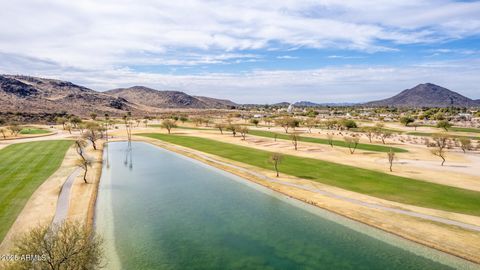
point(20, 93)
point(425, 95)
point(168, 98)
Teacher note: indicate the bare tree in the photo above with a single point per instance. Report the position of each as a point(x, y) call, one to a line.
point(267, 121)
point(233, 128)
point(75, 121)
point(384, 134)
point(220, 127)
point(311, 123)
point(287, 122)
point(352, 143)
point(60, 246)
point(330, 139)
point(80, 145)
point(255, 122)
point(127, 119)
point(465, 144)
point(243, 131)
point(197, 121)
point(168, 124)
point(14, 129)
point(207, 121)
point(92, 133)
point(4, 133)
point(294, 138)
point(84, 163)
point(107, 125)
point(441, 142)
point(369, 132)
point(183, 119)
point(61, 121)
point(391, 158)
point(276, 159)
point(68, 127)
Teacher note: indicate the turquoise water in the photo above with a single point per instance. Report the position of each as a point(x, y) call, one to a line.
point(159, 210)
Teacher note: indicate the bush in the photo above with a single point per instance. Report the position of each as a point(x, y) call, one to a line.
point(348, 124)
point(65, 246)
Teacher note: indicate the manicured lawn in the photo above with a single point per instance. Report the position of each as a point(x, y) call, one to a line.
point(34, 131)
point(182, 127)
point(378, 184)
point(382, 129)
point(23, 168)
point(361, 146)
point(426, 134)
point(462, 129)
point(458, 129)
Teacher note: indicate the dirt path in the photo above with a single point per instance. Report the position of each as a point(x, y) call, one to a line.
point(63, 202)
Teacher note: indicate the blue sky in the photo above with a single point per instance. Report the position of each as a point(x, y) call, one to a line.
point(254, 52)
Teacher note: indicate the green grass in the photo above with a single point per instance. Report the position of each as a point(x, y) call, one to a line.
point(382, 129)
point(457, 129)
point(181, 127)
point(462, 129)
point(361, 146)
point(23, 168)
point(426, 134)
point(34, 131)
point(377, 184)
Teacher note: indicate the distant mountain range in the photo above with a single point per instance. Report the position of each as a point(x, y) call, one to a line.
point(426, 95)
point(313, 104)
point(168, 99)
point(35, 95)
point(39, 95)
point(31, 94)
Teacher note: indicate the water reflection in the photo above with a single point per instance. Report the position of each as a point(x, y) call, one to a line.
point(107, 156)
point(181, 214)
point(128, 161)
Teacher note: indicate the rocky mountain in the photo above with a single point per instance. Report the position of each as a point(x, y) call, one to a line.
point(39, 95)
point(217, 103)
point(281, 104)
point(168, 99)
point(35, 95)
point(305, 104)
point(426, 95)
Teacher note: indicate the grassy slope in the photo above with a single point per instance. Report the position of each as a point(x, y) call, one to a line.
point(361, 146)
point(23, 168)
point(34, 131)
point(427, 134)
point(457, 129)
point(463, 129)
point(378, 184)
point(181, 127)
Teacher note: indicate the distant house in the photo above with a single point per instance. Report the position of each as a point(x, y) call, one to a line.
point(463, 117)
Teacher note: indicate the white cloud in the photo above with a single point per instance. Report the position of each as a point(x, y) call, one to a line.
point(329, 84)
point(95, 42)
point(286, 57)
point(345, 57)
point(92, 34)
